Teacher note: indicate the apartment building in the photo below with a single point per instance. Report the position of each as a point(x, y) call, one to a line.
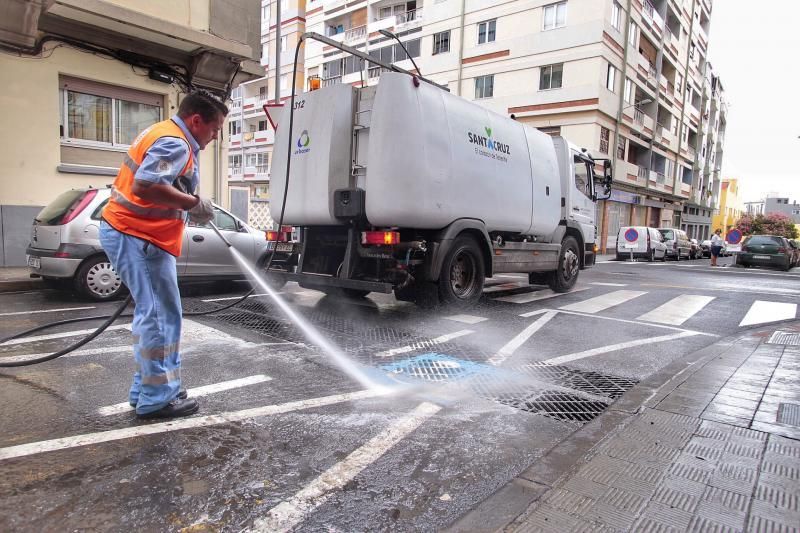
point(81, 78)
point(731, 206)
point(782, 206)
point(250, 134)
point(699, 209)
point(626, 79)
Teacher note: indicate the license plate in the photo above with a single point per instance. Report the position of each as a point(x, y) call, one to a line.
point(282, 246)
point(630, 245)
point(34, 262)
point(761, 257)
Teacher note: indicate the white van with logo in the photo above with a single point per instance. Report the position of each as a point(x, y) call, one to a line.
point(642, 242)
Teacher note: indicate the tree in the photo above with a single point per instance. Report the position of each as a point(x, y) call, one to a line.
point(771, 224)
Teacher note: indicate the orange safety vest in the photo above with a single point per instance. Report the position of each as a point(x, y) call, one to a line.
point(163, 226)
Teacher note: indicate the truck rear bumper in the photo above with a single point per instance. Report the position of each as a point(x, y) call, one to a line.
point(322, 281)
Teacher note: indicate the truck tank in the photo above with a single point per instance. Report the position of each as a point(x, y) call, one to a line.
point(432, 158)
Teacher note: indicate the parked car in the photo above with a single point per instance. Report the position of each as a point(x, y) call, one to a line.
point(767, 250)
point(696, 250)
point(65, 249)
point(678, 244)
point(706, 245)
point(648, 244)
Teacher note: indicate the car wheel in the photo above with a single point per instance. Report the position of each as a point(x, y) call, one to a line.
point(569, 262)
point(462, 276)
point(96, 279)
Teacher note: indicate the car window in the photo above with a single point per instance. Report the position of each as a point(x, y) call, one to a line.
point(224, 221)
point(667, 233)
point(582, 178)
point(764, 239)
point(56, 209)
point(97, 215)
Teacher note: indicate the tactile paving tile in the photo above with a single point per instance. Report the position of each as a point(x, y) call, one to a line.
point(789, 413)
point(785, 337)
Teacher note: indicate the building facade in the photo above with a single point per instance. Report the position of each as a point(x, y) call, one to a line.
point(782, 206)
point(626, 79)
point(754, 208)
point(731, 206)
point(78, 107)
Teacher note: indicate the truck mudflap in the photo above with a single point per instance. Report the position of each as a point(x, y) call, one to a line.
point(589, 257)
point(323, 281)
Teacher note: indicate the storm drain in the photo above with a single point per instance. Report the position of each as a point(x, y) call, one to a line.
point(789, 413)
point(785, 337)
point(558, 405)
point(435, 367)
point(585, 381)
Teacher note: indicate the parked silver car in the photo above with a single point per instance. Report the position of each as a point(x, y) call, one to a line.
point(65, 246)
point(678, 244)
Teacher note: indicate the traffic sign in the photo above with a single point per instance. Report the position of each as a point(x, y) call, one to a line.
point(631, 235)
point(734, 236)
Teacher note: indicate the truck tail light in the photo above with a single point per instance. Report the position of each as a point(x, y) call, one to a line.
point(380, 237)
point(78, 205)
point(277, 236)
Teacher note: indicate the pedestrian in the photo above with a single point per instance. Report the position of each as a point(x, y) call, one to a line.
point(716, 246)
point(154, 193)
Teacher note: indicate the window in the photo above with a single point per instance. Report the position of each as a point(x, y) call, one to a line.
point(105, 115)
point(550, 76)
point(604, 136)
point(260, 161)
point(265, 12)
point(628, 90)
point(262, 125)
point(621, 148)
point(616, 16)
point(583, 181)
point(611, 78)
point(284, 82)
point(553, 131)
point(264, 50)
point(484, 86)
point(441, 42)
point(555, 16)
point(284, 6)
point(262, 93)
point(486, 31)
point(633, 34)
point(391, 11)
point(234, 127)
point(235, 161)
point(284, 43)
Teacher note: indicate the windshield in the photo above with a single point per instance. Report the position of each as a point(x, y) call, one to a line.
point(667, 233)
point(52, 214)
point(764, 239)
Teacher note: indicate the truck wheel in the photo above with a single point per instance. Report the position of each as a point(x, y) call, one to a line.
point(97, 280)
point(462, 276)
point(569, 262)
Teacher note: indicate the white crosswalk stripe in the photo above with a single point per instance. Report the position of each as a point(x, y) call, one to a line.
point(603, 302)
point(536, 296)
point(763, 312)
point(510, 286)
point(678, 310)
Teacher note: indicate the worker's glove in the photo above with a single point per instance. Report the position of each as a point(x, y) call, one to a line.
point(202, 213)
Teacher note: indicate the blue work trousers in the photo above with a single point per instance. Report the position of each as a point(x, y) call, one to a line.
point(151, 276)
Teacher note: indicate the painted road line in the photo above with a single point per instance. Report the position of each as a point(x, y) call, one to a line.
point(193, 393)
point(508, 350)
point(609, 284)
point(614, 347)
point(505, 287)
point(466, 319)
point(74, 333)
point(288, 514)
point(537, 312)
point(762, 312)
point(89, 351)
point(678, 310)
point(728, 288)
point(529, 297)
point(639, 322)
point(424, 344)
point(48, 311)
point(510, 276)
point(229, 298)
point(87, 439)
point(603, 302)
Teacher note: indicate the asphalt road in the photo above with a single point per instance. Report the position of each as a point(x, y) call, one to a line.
point(285, 439)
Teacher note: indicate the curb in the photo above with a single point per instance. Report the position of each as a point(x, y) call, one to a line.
point(511, 501)
point(21, 285)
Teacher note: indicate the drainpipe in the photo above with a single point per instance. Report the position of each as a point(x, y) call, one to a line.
point(604, 236)
point(278, 51)
point(683, 96)
point(461, 47)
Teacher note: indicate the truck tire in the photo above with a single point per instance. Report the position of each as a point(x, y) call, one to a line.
point(97, 280)
point(569, 262)
point(462, 276)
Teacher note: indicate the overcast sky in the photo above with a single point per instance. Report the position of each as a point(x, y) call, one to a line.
point(754, 48)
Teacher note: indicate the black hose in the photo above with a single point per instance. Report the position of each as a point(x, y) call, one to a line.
point(118, 313)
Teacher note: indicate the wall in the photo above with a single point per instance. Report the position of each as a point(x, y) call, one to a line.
point(191, 13)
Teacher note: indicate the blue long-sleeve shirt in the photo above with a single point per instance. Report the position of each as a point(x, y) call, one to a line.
point(166, 158)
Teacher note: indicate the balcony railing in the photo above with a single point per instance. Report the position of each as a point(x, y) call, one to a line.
point(235, 171)
point(638, 115)
point(661, 179)
point(333, 80)
point(262, 169)
point(353, 34)
point(408, 16)
point(644, 173)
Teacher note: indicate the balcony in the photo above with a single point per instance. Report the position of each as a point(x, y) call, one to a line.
point(354, 34)
point(646, 66)
point(409, 19)
point(651, 17)
point(333, 80)
point(235, 140)
point(235, 172)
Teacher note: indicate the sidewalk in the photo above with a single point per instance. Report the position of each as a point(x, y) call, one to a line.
point(710, 443)
point(14, 279)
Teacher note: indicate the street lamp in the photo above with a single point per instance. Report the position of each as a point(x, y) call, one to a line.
point(640, 102)
point(390, 35)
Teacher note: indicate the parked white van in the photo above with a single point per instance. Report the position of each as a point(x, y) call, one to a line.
point(645, 243)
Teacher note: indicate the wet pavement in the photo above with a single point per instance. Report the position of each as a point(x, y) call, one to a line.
point(285, 440)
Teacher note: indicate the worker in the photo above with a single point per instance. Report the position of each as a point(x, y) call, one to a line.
point(154, 193)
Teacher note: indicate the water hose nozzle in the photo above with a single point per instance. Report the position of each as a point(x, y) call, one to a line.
point(220, 235)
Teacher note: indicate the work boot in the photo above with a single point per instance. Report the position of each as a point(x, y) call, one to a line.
point(182, 395)
point(173, 409)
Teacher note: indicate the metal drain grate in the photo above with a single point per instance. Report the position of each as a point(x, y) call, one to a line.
point(785, 337)
point(585, 381)
point(789, 413)
point(435, 367)
point(558, 405)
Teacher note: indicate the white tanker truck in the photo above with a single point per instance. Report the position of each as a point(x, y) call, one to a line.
point(405, 187)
